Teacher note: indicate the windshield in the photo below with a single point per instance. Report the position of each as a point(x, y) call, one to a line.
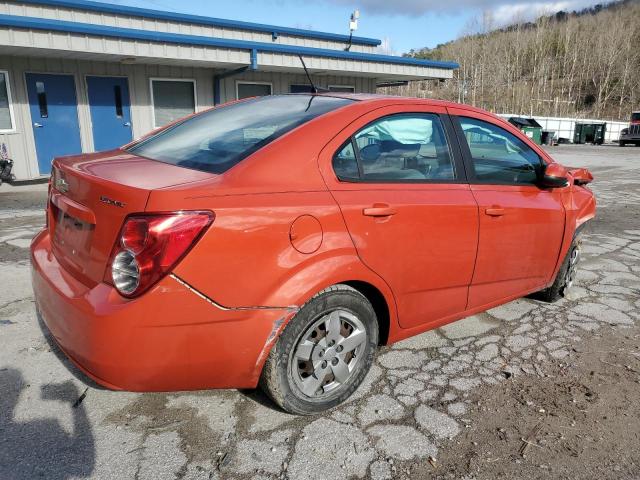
point(217, 140)
point(635, 117)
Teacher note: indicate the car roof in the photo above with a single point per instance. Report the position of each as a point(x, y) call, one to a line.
point(399, 100)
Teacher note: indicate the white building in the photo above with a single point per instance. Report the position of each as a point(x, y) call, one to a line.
point(81, 76)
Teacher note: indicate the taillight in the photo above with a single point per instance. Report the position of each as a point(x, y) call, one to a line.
point(150, 245)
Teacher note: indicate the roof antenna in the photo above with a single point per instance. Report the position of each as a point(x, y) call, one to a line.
point(314, 89)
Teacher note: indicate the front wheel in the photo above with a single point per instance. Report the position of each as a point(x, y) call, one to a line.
point(566, 275)
point(323, 354)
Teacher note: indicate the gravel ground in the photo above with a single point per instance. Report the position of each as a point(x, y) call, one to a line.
point(452, 403)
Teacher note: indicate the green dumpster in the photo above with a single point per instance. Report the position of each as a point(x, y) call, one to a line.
point(592, 132)
point(529, 126)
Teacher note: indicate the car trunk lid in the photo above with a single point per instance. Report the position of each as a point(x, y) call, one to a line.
point(89, 199)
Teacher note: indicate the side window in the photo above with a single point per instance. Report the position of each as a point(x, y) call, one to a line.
point(404, 147)
point(345, 164)
point(499, 156)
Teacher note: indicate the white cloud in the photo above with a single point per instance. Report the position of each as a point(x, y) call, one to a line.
point(507, 13)
point(500, 8)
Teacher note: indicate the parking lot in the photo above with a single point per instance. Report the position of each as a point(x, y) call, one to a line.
point(430, 407)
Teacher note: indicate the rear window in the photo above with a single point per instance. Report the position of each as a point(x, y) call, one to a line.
point(217, 140)
point(635, 117)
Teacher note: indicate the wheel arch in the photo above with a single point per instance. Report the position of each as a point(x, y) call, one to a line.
point(379, 304)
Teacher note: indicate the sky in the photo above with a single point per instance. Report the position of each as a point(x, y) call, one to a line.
point(400, 24)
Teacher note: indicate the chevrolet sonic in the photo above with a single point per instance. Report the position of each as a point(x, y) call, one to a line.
point(278, 241)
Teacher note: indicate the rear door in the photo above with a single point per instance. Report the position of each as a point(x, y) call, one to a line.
point(521, 225)
point(110, 112)
point(399, 182)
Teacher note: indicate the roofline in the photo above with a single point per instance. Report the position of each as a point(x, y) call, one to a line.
point(201, 20)
point(176, 38)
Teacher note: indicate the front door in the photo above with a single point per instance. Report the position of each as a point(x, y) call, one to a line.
point(110, 112)
point(410, 213)
point(521, 225)
point(54, 117)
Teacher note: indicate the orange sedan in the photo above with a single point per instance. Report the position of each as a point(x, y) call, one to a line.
point(279, 240)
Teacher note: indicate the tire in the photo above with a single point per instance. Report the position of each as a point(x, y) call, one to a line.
point(621, 143)
point(299, 373)
point(566, 275)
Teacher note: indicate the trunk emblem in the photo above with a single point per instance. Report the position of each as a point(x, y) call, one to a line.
point(111, 201)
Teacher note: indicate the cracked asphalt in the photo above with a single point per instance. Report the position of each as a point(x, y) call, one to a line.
point(417, 397)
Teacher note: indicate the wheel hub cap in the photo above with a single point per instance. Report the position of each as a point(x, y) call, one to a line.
point(573, 268)
point(327, 353)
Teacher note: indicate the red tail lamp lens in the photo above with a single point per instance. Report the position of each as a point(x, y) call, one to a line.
point(154, 245)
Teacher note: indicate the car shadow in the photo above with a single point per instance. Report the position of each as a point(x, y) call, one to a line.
point(258, 396)
point(42, 447)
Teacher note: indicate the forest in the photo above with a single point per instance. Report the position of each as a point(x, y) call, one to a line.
point(582, 64)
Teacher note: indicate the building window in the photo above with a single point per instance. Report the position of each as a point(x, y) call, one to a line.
point(305, 88)
point(342, 88)
point(252, 89)
point(7, 123)
point(172, 99)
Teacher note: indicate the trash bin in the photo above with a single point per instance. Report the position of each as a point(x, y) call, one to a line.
point(548, 137)
point(529, 127)
point(591, 132)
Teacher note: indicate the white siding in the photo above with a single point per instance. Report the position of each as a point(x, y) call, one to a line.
point(61, 44)
point(126, 21)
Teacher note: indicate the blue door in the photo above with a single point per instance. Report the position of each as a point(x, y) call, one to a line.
point(54, 116)
point(110, 112)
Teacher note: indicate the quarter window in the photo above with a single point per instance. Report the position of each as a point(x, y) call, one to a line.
point(400, 148)
point(172, 99)
point(499, 156)
point(345, 164)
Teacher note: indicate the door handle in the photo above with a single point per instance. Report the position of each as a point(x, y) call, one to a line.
point(379, 210)
point(127, 124)
point(38, 125)
point(495, 211)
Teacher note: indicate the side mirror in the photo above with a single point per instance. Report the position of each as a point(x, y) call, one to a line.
point(581, 176)
point(554, 175)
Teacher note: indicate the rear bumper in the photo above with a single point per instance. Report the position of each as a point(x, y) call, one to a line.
point(168, 339)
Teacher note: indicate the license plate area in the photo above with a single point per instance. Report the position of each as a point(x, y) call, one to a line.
point(72, 238)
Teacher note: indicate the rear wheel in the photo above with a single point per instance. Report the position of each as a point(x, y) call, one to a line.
point(621, 143)
point(323, 354)
point(566, 276)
